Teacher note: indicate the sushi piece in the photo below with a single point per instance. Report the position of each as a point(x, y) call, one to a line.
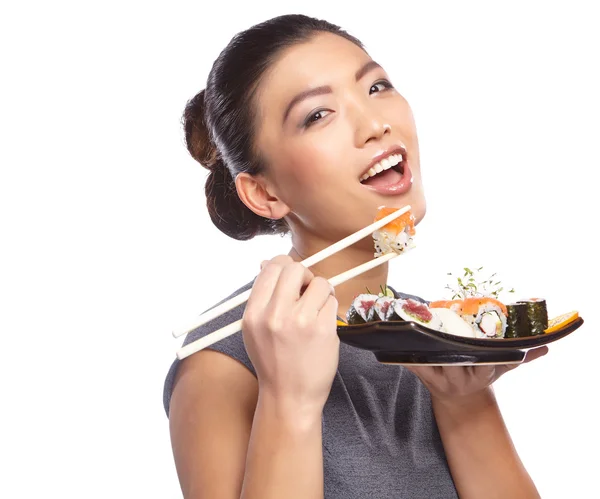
point(415, 311)
point(487, 316)
point(454, 305)
point(452, 323)
point(517, 321)
point(362, 309)
point(383, 308)
point(397, 236)
point(537, 314)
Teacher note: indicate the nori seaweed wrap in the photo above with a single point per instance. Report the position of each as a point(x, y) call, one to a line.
point(383, 308)
point(517, 322)
point(362, 309)
point(537, 314)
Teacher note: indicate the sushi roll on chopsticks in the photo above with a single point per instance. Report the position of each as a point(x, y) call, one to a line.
point(397, 236)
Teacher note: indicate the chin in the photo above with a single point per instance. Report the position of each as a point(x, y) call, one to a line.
point(419, 211)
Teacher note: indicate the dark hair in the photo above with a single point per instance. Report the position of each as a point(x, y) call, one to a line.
point(219, 121)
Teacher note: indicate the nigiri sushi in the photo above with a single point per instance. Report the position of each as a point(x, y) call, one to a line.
point(397, 235)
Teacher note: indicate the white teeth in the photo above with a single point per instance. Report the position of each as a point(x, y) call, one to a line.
point(384, 164)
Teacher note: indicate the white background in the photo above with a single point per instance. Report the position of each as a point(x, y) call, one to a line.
point(106, 243)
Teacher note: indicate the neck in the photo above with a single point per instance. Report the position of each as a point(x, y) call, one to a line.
point(340, 262)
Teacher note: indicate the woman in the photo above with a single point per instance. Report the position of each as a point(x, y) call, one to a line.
point(293, 115)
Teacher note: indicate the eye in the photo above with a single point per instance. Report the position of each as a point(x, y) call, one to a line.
point(380, 86)
point(314, 117)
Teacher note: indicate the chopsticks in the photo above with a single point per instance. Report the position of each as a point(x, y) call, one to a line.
point(312, 260)
point(236, 326)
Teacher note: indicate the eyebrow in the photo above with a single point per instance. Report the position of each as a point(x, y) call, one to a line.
point(326, 89)
point(369, 66)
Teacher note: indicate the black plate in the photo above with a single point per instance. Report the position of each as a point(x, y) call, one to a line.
point(399, 342)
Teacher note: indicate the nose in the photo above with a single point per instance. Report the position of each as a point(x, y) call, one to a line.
point(370, 128)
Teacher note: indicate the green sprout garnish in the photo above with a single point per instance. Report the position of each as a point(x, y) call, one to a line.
point(383, 291)
point(469, 285)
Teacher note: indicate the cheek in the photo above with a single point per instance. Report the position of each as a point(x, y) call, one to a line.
point(309, 170)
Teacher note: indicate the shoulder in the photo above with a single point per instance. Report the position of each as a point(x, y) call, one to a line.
point(233, 346)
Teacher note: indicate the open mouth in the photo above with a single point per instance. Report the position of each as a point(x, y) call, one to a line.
point(387, 171)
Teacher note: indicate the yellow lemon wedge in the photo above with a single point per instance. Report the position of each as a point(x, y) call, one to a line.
point(561, 321)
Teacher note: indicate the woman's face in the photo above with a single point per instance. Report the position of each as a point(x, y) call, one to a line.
point(327, 113)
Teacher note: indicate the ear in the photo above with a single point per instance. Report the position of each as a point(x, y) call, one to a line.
point(257, 195)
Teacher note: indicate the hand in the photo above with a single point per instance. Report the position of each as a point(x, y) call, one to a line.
point(453, 383)
point(291, 335)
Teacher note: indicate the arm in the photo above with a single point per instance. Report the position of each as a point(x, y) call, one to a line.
point(285, 458)
point(234, 434)
point(480, 452)
point(227, 439)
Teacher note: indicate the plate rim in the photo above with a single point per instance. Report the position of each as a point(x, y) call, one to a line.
point(462, 341)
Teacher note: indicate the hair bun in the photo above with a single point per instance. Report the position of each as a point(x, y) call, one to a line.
point(197, 135)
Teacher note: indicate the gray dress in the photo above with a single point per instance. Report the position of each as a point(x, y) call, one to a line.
point(380, 438)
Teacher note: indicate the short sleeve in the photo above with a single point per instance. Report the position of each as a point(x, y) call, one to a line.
point(232, 346)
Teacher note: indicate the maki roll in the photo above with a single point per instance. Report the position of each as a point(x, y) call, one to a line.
point(383, 308)
point(487, 316)
point(415, 311)
point(517, 321)
point(537, 314)
point(362, 309)
point(452, 323)
point(395, 236)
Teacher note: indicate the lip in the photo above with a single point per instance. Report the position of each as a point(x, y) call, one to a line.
point(400, 187)
point(398, 149)
point(406, 180)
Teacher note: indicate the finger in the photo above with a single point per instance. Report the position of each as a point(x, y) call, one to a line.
point(535, 353)
point(266, 281)
point(530, 355)
point(456, 375)
point(316, 295)
point(293, 277)
point(425, 373)
point(328, 311)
